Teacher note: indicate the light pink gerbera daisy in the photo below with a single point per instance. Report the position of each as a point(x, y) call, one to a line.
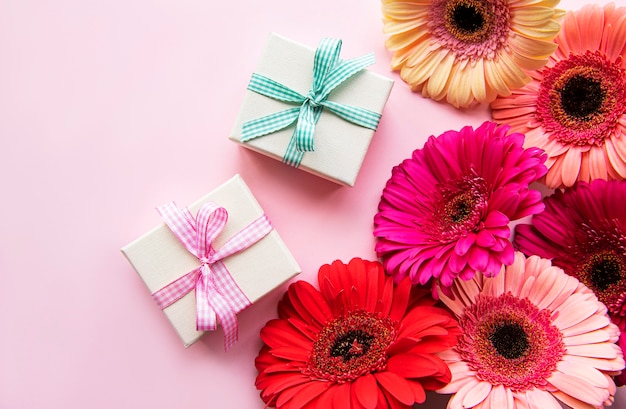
point(575, 108)
point(583, 231)
point(469, 51)
point(532, 336)
point(445, 212)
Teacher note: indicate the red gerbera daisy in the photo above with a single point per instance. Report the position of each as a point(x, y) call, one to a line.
point(445, 212)
point(361, 342)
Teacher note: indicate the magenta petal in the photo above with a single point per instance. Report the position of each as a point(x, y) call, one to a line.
point(478, 258)
point(464, 244)
point(496, 219)
point(485, 239)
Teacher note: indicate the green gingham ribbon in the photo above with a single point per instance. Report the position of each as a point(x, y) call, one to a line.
point(328, 73)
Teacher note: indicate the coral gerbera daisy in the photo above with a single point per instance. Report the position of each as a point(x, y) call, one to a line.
point(469, 50)
point(361, 342)
point(532, 336)
point(445, 212)
point(583, 231)
point(575, 108)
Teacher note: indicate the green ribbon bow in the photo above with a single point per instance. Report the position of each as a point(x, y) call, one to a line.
point(328, 73)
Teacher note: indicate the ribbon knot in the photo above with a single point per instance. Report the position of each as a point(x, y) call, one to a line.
point(312, 98)
point(328, 73)
point(218, 297)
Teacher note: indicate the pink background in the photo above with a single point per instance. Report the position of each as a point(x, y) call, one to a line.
point(109, 108)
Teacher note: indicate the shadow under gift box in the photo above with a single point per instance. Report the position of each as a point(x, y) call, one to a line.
point(340, 146)
point(160, 258)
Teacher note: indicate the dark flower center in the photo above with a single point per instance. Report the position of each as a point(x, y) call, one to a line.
point(582, 96)
point(581, 99)
point(352, 345)
point(460, 207)
point(509, 340)
point(604, 270)
point(467, 18)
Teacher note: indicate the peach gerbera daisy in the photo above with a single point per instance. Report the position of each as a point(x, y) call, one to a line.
point(532, 336)
point(575, 108)
point(469, 50)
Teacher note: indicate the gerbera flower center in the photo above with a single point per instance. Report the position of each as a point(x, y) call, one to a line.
point(351, 345)
point(468, 20)
point(582, 98)
point(509, 341)
point(605, 271)
point(460, 207)
point(348, 347)
point(472, 29)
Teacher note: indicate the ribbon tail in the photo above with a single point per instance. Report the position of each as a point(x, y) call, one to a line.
point(269, 124)
point(357, 115)
point(305, 127)
point(205, 314)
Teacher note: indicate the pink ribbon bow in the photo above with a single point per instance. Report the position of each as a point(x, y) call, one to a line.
point(218, 297)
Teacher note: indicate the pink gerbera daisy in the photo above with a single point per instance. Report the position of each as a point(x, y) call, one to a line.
point(583, 231)
point(445, 212)
point(575, 108)
point(360, 342)
point(532, 336)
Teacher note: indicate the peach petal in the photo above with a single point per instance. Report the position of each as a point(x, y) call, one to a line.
point(589, 375)
point(540, 399)
point(571, 166)
point(578, 388)
point(476, 394)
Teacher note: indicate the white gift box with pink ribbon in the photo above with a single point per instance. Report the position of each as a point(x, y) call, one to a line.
point(210, 261)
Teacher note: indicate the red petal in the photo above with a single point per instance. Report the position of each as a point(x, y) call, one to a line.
point(308, 393)
point(309, 303)
point(354, 399)
point(387, 298)
point(280, 382)
point(291, 353)
point(366, 390)
point(277, 333)
point(341, 399)
point(419, 394)
point(416, 366)
point(400, 300)
point(396, 385)
point(421, 318)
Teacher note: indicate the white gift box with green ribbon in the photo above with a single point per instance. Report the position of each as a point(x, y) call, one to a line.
point(312, 109)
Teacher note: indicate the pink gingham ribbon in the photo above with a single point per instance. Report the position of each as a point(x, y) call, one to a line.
point(218, 297)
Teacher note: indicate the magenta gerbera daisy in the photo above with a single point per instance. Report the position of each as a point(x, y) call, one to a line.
point(533, 336)
point(575, 108)
point(583, 231)
point(445, 212)
point(361, 342)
